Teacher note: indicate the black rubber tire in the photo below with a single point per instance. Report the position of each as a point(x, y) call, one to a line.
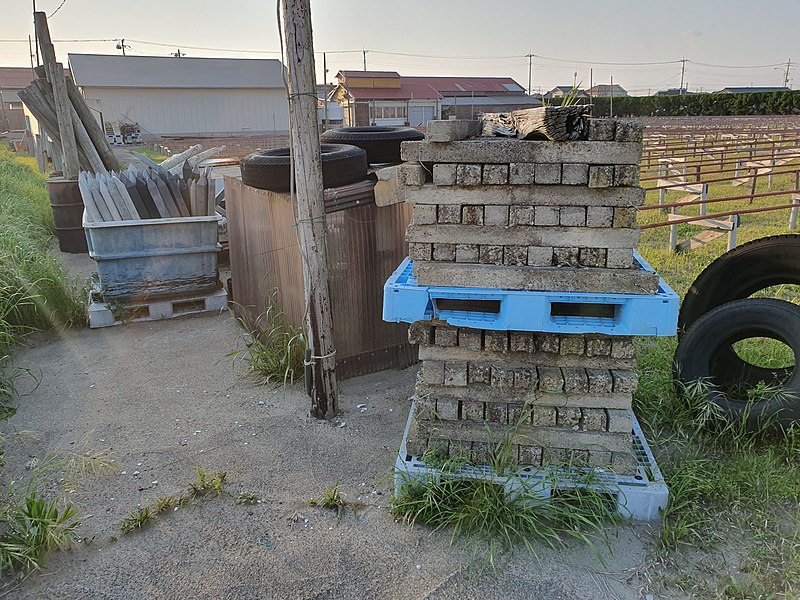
point(382, 144)
point(702, 353)
point(270, 169)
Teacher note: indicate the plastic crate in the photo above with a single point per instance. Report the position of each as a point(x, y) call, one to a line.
point(542, 311)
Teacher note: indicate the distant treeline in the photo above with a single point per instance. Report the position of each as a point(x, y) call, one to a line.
point(749, 103)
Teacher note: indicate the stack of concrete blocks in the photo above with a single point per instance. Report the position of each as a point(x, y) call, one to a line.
point(525, 215)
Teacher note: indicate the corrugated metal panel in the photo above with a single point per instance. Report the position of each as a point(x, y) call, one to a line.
point(195, 112)
point(365, 244)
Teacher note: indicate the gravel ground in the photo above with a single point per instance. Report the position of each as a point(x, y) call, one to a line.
point(165, 397)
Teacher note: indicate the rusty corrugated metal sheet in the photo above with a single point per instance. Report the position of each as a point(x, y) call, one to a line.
point(365, 244)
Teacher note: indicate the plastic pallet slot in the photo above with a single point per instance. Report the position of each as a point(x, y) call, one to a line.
point(542, 311)
point(641, 497)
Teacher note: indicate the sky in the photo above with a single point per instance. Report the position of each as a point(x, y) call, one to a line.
point(724, 42)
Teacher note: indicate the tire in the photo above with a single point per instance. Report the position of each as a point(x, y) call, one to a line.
point(270, 169)
point(702, 353)
point(382, 144)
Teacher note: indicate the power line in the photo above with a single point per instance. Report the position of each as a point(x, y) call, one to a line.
point(63, 2)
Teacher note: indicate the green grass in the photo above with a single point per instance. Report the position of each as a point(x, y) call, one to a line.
point(152, 154)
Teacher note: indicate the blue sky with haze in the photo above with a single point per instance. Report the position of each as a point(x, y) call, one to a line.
point(466, 37)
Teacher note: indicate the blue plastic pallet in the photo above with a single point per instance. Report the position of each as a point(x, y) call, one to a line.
point(517, 310)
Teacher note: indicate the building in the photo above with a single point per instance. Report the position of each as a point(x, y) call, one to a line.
point(751, 90)
point(602, 90)
point(387, 98)
point(560, 91)
point(674, 92)
point(184, 96)
point(12, 80)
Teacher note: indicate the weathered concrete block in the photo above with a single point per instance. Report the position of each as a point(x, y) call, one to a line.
point(626, 175)
point(472, 411)
point(444, 174)
point(575, 380)
point(519, 414)
point(452, 130)
point(495, 341)
point(554, 456)
point(471, 339)
point(599, 216)
point(433, 372)
point(496, 215)
point(522, 341)
point(624, 217)
point(497, 412)
point(568, 416)
point(593, 419)
point(547, 174)
point(572, 216)
point(550, 379)
point(619, 258)
point(623, 347)
point(625, 381)
point(515, 255)
point(575, 174)
point(495, 174)
point(598, 345)
point(412, 174)
point(572, 344)
point(420, 332)
point(525, 379)
point(466, 253)
point(445, 335)
point(592, 257)
point(444, 252)
point(521, 173)
point(455, 373)
point(599, 458)
point(629, 131)
point(601, 130)
point(424, 214)
point(479, 373)
point(548, 342)
point(601, 176)
point(424, 409)
point(449, 214)
point(624, 463)
point(600, 381)
point(566, 257)
point(530, 455)
point(620, 421)
point(481, 453)
point(468, 174)
point(521, 215)
point(546, 216)
point(502, 378)
point(540, 256)
point(544, 416)
point(417, 251)
point(472, 215)
point(447, 410)
point(491, 255)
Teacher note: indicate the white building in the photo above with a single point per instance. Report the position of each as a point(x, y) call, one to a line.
point(184, 96)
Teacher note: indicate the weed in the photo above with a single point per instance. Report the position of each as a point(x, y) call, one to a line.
point(247, 498)
point(76, 463)
point(137, 519)
point(207, 484)
point(164, 503)
point(331, 499)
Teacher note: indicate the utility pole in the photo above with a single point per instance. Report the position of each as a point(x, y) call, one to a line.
point(365, 58)
point(611, 99)
point(177, 54)
point(530, 72)
point(309, 205)
point(121, 46)
point(683, 71)
point(36, 37)
point(786, 77)
point(591, 85)
point(325, 86)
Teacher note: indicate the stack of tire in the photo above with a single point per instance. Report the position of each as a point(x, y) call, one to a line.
point(347, 153)
point(718, 311)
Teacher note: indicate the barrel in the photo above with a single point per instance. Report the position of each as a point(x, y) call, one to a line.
point(67, 205)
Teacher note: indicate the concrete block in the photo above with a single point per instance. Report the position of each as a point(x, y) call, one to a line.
point(624, 217)
point(479, 373)
point(447, 410)
point(417, 251)
point(575, 174)
point(424, 214)
point(519, 414)
point(452, 130)
point(490, 255)
point(470, 339)
point(521, 173)
point(444, 252)
point(623, 347)
point(575, 381)
point(601, 176)
point(536, 195)
point(547, 174)
point(629, 131)
point(444, 174)
point(544, 416)
point(550, 379)
point(599, 458)
point(525, 379)
point(495, 341)
point(522, 341)
point(554, 456)
point(548, 342)
point(530, 455)
point(466, 253)
point(626, 175)
point(625, 381)
point(497, 412)
point(502, 378)
point(455, 373)
point(546, 216)
point(412, 174)
point(601, 130)
point(481, 453)
point(620, 421)
point(520, 215)
point(468, 174)
point(568, 416)
point(495, 215)
point(619, 258)
point(495, 174)
point(445, 335)
point(515, 255)
point(599, 216)
point(572, 344)
point(572, 216)
point(593, 419)
point(505, 151)
point(420, 332)
point(598, 345)
point(592, 257)
point(565, 257)
point(539, 256)
point(472, 411)
point(433, 372)
point(600, 381)
point(449, 214)
point(472, 215)
point(624, 463)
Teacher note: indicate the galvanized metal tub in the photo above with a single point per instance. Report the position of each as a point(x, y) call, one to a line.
point(67, 205)
point(155, 257)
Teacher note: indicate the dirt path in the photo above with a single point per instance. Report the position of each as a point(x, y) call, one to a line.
point(165, 398)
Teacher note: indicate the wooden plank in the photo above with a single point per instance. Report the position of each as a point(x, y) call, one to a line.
point(700, 239)
point(93, 129)
point(713, 223)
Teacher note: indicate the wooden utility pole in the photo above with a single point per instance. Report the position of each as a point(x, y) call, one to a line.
point(310, 207)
